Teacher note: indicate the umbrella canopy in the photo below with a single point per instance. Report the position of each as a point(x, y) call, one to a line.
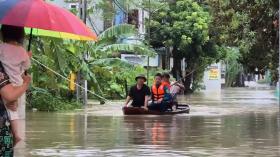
point(45, 19)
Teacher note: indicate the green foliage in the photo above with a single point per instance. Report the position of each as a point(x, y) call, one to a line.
point(117, 76)
point(108, 42)
point(117, 31)
point(233, 66)
point(107, 9)
point(230, 24)
point(56, 56)
point(184, 26)
point(101, 70)
point(180, 24)
point(250, 26)
point(43, 100)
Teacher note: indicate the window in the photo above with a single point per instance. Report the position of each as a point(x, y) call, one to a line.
point(73, 6)
point(133, 18)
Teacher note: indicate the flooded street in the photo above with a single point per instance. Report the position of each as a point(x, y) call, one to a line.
point(237, 122)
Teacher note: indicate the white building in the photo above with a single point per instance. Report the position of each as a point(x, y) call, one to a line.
point(65, 4)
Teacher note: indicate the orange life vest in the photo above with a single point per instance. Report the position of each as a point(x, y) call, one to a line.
point(158, 93)
point(167, 84)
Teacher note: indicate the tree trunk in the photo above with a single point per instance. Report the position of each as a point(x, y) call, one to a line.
point(126, 88)
point(176, 70)
point(177, 73)
point(188, 81)
point(240, 81)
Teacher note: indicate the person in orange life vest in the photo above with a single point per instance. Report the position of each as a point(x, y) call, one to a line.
point(159, 90)
point(165, 80)
point(139, 93)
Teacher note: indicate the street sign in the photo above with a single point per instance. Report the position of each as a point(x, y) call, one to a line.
point(213, 73)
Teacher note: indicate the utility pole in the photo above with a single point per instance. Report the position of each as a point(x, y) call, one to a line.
point(78, 89)
point(149, 40)
point(84, 11)
point(83, 16)
point(279, 52)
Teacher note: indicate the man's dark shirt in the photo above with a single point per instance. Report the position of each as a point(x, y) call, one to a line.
point(138, 95)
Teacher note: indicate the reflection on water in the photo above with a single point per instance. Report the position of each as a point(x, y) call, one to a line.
point(240, 123)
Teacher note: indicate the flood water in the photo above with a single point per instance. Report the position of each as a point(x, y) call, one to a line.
point(237, 122)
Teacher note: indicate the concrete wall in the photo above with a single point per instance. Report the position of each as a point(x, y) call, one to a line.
point(142, 16)
point(212, 82)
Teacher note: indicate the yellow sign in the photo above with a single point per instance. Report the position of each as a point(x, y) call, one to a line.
point(72, 78)
point(213, 73)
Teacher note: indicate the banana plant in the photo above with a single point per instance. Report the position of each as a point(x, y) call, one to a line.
point(66, 56)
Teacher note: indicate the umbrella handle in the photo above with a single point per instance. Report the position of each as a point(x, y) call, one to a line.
point(30, 40)
point(29, 45)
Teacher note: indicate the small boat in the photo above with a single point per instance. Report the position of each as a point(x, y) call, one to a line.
point(181, 108)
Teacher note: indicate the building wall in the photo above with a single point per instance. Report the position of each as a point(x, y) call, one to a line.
point(142, 16)
point(60, 3)
point(213, 83)
point(212, 80)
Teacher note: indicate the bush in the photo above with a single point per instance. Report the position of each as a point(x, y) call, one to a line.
point(45, 101)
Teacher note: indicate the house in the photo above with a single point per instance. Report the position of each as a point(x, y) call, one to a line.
point(94, 20)
point(124, 14)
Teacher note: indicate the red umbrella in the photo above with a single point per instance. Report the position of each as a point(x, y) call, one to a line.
point(44, 19)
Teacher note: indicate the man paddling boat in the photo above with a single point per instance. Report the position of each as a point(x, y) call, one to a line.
point(174, 87)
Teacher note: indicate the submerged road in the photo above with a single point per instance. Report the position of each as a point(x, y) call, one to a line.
point(236, 122)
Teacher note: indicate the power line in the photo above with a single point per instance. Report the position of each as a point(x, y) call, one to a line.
point(67, 79)
point(119, 5)
point(93, 26)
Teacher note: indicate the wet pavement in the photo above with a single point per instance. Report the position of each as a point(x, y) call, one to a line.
point(235, 122)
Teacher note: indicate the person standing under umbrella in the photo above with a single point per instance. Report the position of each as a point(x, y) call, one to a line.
point(10, 93)
point(15, 61)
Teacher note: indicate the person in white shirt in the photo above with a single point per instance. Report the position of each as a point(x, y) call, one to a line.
point(15, 61)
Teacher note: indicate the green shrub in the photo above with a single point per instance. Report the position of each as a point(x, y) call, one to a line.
point(43, 100)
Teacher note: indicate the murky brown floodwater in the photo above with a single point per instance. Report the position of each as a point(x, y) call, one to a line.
point(237, 122)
